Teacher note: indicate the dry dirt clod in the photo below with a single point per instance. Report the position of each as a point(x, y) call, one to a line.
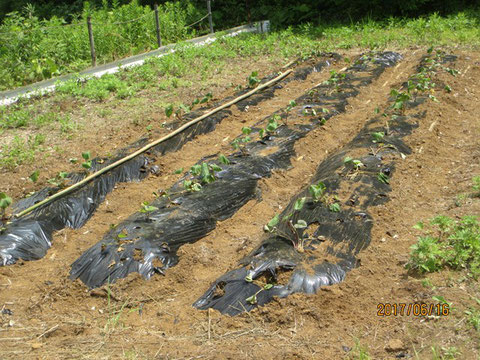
point(395, 345)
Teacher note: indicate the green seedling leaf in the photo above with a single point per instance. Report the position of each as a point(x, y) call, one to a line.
point(268, 286)
point(147, 208)
point(419, 226)
point(252, 299)
point(86, 155)
point(248, 278)
point(335, 207)
point(286, 217)
point(378, 136)
point(215, 167)
point(73, 160)
point(301, 224)
point(448, 88)
point(206, 98)
point(196, 187)
point(205, 171)
point(5, 201)
point(433, 98)
point(317, 191)
point(347, 160)
point(178, 171)
point(122, 235)
point(223, 159)
point(272, 223)
point(383, 178)
point(246, 130)
point(196, 170)
point(357, 164)
point(34, 176)
point(441, 300)
point(87, 164)
point(299, 204)
point(169, 110)
point(261, 133)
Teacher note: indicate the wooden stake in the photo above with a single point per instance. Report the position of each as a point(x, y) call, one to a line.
point(92, 44)
point(157, 22)
point(209, 9)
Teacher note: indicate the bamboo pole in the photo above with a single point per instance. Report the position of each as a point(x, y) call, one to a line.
point(150, 145)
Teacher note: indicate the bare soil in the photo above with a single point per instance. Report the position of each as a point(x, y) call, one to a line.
point(53, 317)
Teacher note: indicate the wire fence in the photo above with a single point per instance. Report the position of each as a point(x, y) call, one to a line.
point(32, 50)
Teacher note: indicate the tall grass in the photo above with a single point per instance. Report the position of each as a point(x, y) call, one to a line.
point(32, 49)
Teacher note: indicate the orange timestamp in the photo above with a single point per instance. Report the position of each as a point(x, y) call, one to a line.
point(412, 309)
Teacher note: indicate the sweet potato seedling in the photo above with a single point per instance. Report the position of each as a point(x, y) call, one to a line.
point(271, 127)
point(34, 176)
point(59, 180)
point(378, 136)
point(253, 79)
point(383, 178)
point(289, 108)
point(239, 143)
point(318, 192)
point(146, 207)
point(5, 202)
point(203, 174)
point(87, 164)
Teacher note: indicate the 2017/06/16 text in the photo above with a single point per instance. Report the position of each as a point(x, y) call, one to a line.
point(412, 309)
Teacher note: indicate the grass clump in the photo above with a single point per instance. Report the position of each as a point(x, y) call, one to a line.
point(20, 151)
point(447, 243)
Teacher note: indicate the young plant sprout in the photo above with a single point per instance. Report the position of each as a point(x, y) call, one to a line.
point(334, 207)
point(5, 202)
point(205, 171)
point(169, 110)
point(335, 78)
point(383, 178)
point(253, 80)
point(318, 192)
point(87, 164)
point(34, 176)
point(146, 207)
point(271, 226)
point(253, 299)
point(400, 99)
point(239, 143)
point(59, 180)
point(223, 159)
point(378, 136)
point(357, 164)
point(271, 127)
point(290, 106)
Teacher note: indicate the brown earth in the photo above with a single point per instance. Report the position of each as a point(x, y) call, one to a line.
point(134, 318)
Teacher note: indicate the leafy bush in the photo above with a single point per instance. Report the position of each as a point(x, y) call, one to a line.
point(32, 49)
point(448, 243)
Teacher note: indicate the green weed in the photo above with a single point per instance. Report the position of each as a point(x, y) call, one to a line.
point(5, 202)
point(448, 243)
point(20, 151)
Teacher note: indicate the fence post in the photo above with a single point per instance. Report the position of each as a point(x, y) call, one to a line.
point(209, 8)
point(92, 44)
point(157, 22)
point(249, 15)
